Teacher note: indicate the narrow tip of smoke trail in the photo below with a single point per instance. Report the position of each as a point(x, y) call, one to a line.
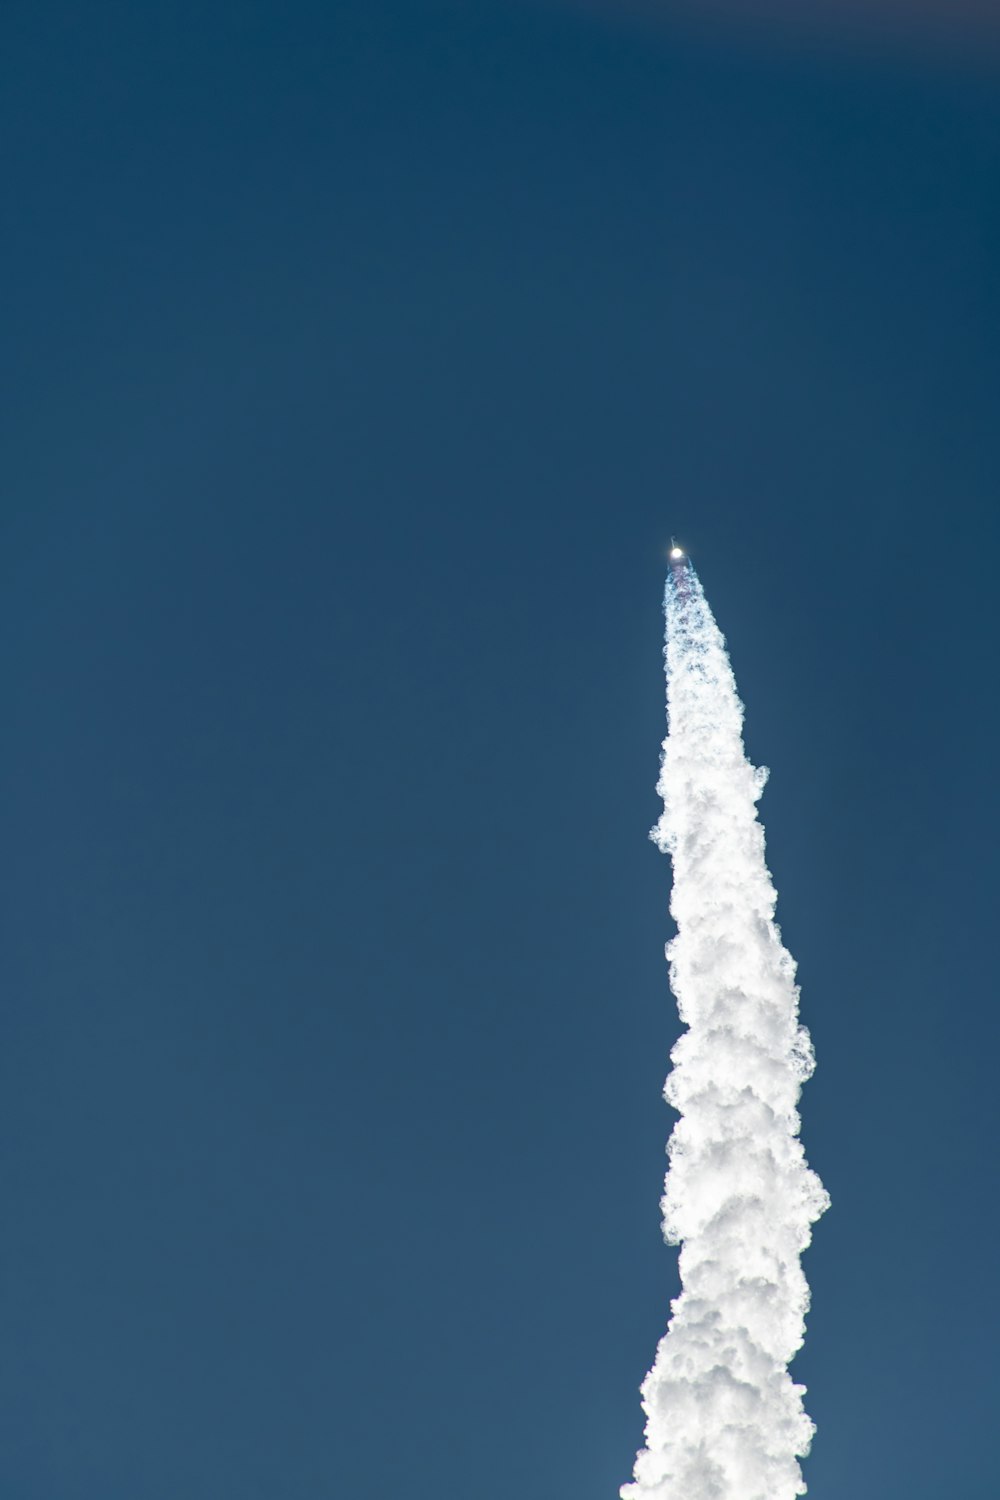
point(724, 1419)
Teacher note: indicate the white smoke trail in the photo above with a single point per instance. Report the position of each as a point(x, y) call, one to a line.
point(725, 1421)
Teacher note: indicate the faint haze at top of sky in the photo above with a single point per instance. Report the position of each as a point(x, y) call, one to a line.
point(946, 31)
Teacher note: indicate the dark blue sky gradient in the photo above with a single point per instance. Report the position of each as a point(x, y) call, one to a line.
point(359, 361)
point(965, 32)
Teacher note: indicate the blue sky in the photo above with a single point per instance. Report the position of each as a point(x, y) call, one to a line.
point(360, 361)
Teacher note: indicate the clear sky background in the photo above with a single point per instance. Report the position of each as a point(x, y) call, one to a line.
point(359, 361)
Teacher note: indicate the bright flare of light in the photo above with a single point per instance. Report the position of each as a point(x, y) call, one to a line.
point(725, 1421)
point(676, 552)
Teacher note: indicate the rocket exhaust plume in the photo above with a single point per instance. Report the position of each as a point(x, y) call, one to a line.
point(725, 1421)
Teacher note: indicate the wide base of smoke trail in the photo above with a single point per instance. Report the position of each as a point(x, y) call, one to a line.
point(725, 1420)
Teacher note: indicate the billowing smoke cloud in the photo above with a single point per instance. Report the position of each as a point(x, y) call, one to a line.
point(725, 1421)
